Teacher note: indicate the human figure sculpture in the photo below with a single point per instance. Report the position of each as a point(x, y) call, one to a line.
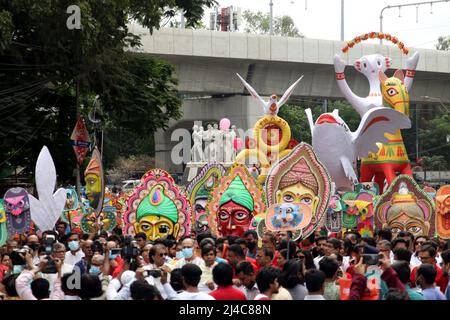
point(228, 146)
point(207, 137)
point(218, 143)
point(196, 151)
point(233, 136)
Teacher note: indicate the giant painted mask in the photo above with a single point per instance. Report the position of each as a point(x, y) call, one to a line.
point(158, 207)
point(405, 207)
point(17, 208)
point(333, 221)
point(443, 212)
point(199, 190)
point(93, 176)
point(300, 178)
point(234, 203)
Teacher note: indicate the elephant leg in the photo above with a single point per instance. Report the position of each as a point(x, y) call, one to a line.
point(389, 174)
point(407, 170)
point(379, 180)
point(366, 174)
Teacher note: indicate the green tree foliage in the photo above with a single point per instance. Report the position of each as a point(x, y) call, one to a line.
point(41, 58)
point(443, 43)
point(259, 23)
point(435, 137)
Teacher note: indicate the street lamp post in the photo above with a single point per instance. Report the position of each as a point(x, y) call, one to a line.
point(342, 20)
point(271, 18)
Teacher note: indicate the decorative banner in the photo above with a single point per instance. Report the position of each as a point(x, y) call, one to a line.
point(288, 216)
point(376, 35)
point(17, 207)
point(46, 210)
point(72, 209)
point(333, 221)
point(443, 212)
point(364, 203)
point(300, 177)
point(234, 203)
point(199, 189)
point(95, 183)
point(107, 220)
point(158, 207)
point(80, 140)
point(350, 211)
point(405, 207)
point(3, 229)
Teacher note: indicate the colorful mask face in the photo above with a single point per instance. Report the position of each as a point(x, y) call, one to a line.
point(158, 207)
point(350, 211)
point(288, 217)
point(3, 230)
point(199, 189)
point(93, 177)
point(300, 178)
point(107, 220)
point(443, 212)
point(72, 200)
point(17, 207)
point(405, 207)
point(364, 204)
point(234, 203)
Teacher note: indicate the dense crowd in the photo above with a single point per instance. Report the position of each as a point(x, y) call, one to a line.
point(100, 266)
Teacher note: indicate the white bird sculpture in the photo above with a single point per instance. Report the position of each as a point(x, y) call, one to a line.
point(271, 106)
point(338, 148)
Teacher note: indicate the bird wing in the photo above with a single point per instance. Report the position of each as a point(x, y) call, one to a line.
point(254, 93)
point(374, 124)
point(310, 120)
point(288, 93)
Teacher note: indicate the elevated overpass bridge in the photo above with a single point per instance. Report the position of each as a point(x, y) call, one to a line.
point(206, 63)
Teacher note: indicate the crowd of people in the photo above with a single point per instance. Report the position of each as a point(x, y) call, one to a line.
point(57, 265)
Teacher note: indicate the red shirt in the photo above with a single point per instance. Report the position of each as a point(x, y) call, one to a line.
point(275, 259)
point(117, 270)
point(228, 293)
point(441, 281)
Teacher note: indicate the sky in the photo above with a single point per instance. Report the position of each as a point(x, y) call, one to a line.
point(321, 19)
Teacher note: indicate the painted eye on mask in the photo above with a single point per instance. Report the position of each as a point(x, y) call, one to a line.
point(241, 215)
point(396, 230)
point(415, 229)
point(306, 200)
point(145, 227)
point(392, 92)
point(364, 211)
point(223, 215)
point(288, 198)
point(164, 229)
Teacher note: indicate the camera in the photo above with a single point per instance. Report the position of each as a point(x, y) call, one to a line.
point(371, 259)
point(130, 253)
point(18, 257)
point(48, 244)
point(152, 273)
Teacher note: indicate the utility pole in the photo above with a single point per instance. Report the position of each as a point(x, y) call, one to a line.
point(271, 18)
point(342, 20)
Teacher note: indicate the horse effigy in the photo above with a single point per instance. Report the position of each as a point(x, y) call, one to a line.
point(233, 204)
point(271, 134)
point(405, 207)
point(158, 207)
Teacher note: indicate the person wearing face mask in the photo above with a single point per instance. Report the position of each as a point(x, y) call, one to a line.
point(187, 246)
point(74, 255)
point(33, 243)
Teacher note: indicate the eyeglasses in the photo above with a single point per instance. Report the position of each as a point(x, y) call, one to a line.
point(420, 242)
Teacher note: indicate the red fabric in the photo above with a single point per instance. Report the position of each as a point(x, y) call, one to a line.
point(275, 259)
point(441, 280)
point(228, 293)
point(357, 287)
point(117, 270)
point(252, 262)
point(392, 281)
point(3, 270)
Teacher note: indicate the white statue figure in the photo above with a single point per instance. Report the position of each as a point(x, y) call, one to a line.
point(197, 151)
point(271, 106)
point(209, 145)
point(228, 148)
point(218, 143)
point(369, 66)
point(338, 148)
point(201, 132)
point(232, 137)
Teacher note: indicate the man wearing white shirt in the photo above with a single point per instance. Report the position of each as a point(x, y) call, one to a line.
point(321, 243)
point(75, 254)
point(315, 283)
point(188, 254)
point(191, 277)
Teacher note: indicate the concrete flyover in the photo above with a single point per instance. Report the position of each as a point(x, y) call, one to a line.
point(206, 63)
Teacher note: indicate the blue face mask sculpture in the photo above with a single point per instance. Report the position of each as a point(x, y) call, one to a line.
point(287, 215)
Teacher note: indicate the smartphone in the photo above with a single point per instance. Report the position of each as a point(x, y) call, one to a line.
point(154, 273)
point(371, 259)
point(115, 251)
